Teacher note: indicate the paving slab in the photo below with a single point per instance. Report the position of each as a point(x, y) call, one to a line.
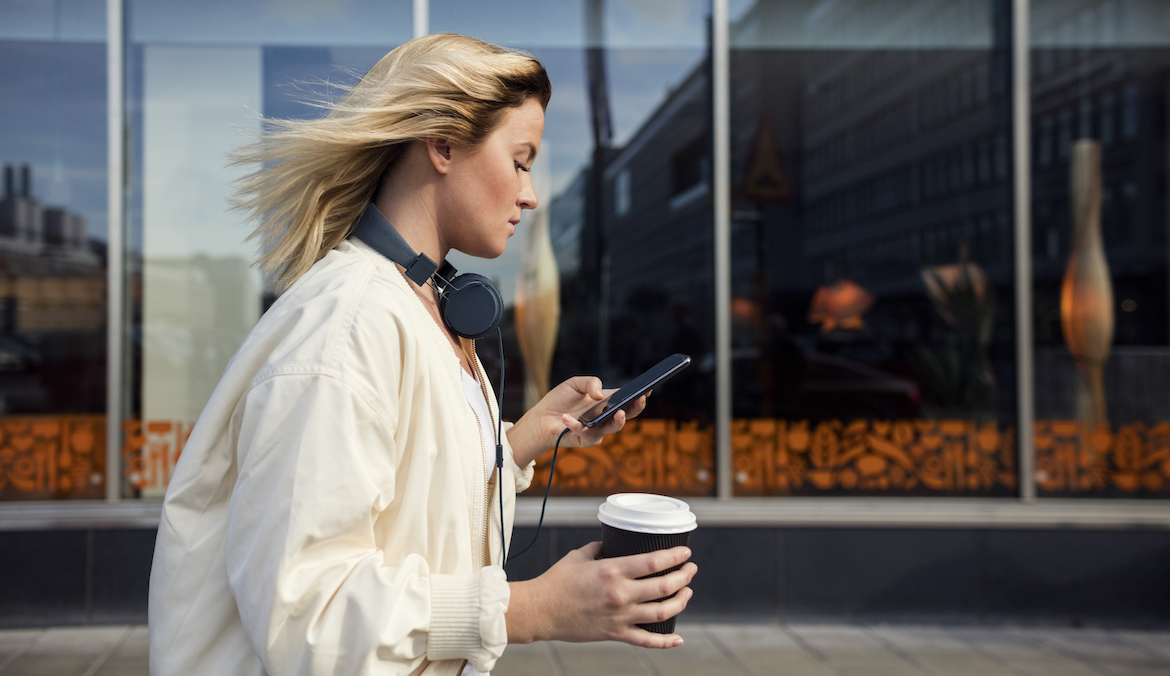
point(14, 642)
point(131, 658)
point(934, 651)
point(852, 650)
point(760, 649)
point(67, 651)
point(712, 649)
point(698, 656)
point(1154, 642)
point(608, 658)
point(1024, 653)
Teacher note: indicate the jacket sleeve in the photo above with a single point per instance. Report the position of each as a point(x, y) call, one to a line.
point(522, 475)
point(316, 461)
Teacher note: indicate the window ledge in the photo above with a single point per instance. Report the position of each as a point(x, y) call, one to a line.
point(882, 512)
point(79, 515)
point(997, 513)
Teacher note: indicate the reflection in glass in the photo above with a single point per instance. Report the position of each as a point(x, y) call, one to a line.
point(627, 144)
point(872, 259)
point(198, 82)
point(52, 252)
point(1100, 257)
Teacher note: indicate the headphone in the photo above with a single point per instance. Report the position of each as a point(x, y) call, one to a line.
point(469, 305)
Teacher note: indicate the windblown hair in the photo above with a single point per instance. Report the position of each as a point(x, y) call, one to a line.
point(316, 176)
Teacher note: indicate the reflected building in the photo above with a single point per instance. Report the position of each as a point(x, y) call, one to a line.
point(1117, 97)
point(52, 306)
point(640, 248)
point(31, 233)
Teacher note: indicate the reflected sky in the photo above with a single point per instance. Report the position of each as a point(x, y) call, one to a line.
point(68, 20)
point(53, 104)
point(528, 24)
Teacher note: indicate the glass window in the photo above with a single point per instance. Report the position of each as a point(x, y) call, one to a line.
point(624, 179)
point(199, 77)
point(872, 274)
point(53, 250)
point(1101, 317)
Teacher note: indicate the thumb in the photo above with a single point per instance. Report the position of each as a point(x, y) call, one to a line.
point(589, 552)
point(588, 385)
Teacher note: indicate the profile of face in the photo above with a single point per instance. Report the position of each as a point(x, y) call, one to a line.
point(486, 188)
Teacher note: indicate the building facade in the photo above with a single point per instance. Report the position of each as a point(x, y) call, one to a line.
point(917, 251)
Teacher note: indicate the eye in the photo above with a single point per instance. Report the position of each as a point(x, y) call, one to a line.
point(523, 168)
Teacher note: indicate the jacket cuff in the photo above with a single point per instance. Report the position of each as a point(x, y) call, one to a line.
point(467, 617)
point(522, 476)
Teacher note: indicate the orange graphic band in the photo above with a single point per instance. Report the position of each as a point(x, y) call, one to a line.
point(52, 457)
point(63, 457)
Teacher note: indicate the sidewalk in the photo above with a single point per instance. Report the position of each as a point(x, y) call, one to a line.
point(712, 649)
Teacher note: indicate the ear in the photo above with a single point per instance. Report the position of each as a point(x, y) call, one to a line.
point(439, 153)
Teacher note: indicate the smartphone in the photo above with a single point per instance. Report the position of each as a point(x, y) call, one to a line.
point(628, 394)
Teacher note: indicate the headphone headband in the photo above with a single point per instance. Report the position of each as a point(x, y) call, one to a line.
point(470, 306)
point(374, 229)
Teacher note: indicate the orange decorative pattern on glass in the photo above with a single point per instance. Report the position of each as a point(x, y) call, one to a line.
point(52, 457)
point(912, 457)
point(1133, 460)
point(658, 456)
point(150, 451)
point(63, 457)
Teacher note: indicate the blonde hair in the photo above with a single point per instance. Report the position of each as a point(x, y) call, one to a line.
point(316, 176)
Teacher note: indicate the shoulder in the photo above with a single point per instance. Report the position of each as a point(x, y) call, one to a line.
point(329, 317)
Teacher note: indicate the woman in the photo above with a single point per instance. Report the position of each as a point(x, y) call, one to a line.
point(332, 511)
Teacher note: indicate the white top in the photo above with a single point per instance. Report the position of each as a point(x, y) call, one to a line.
point(479, 404)
point(327, 514)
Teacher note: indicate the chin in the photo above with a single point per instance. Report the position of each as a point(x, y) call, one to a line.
point(486, 250)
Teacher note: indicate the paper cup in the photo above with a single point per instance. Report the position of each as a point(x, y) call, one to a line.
point(637, 523)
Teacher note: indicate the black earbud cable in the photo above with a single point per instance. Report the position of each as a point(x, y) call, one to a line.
point(551, 471)
point(500, 452)
point(500, 466)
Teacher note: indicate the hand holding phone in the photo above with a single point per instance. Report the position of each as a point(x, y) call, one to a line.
point(628, 394)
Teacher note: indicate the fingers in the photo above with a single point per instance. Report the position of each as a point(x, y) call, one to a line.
point(614, 424)
point(663, 586)
point(638, 406)
point(645, 639)
point(575, 426)
point(649, 613)
point(592, 437)
point(641, 565)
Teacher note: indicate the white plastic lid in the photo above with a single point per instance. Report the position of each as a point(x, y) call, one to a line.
point(647, 513)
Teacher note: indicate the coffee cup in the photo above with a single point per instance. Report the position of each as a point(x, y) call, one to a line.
point(637, 523)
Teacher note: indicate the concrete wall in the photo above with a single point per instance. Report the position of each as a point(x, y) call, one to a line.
point(971, 576)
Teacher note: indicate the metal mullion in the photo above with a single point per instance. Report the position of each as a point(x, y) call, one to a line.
point(422, 18)
point(115, 278)
point(1022, 144)
point(721, 129)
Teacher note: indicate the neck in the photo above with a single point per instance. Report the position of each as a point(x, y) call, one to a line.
point(409, 206)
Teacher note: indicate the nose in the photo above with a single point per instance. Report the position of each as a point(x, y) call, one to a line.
point(527, 198)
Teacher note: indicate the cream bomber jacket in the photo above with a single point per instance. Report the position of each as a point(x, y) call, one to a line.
point(327, 515)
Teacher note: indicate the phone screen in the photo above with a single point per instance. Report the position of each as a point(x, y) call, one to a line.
point(634, 389)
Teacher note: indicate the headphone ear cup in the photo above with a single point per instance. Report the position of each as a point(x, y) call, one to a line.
point(471, 307)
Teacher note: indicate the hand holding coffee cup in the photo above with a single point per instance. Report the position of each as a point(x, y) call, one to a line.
point(638, 523)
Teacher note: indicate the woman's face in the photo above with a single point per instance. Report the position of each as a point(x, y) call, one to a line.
point(488, 187)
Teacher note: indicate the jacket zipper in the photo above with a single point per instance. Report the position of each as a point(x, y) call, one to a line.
point(486, 556)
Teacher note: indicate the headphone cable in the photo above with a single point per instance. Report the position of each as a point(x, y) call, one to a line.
point(500, 453)
point(551, 470)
